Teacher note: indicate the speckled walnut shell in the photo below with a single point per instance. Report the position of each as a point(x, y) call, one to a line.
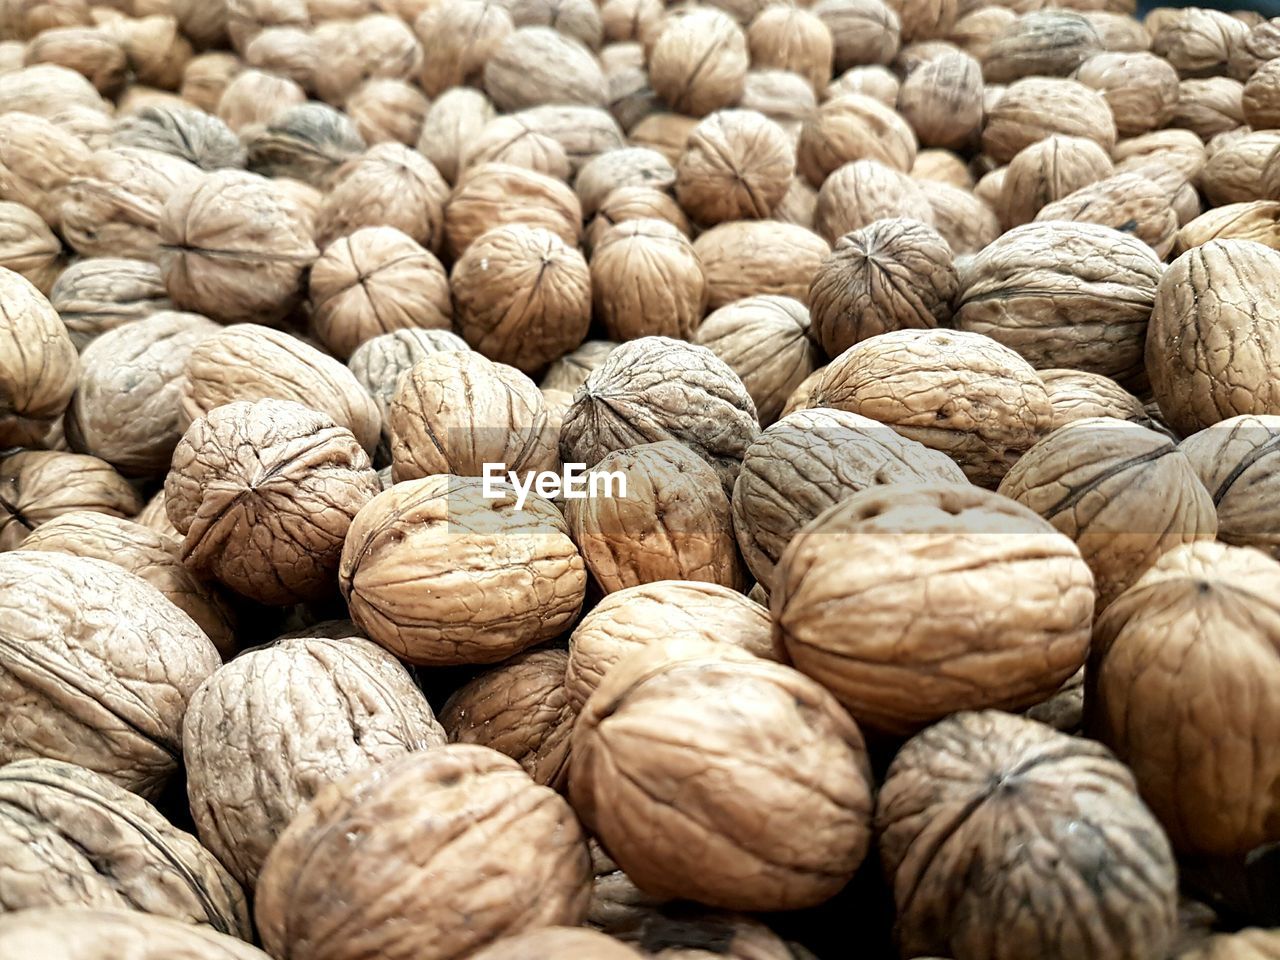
point(1037, 107)
point(308, 142)
point(736, 165)
point(263, 494)
point(427, 823)
point(1179, 676)
point(354, 51)
point(699, 62)
point(811, 460)
point(863, 31)
point(375, 281)
point(389, 185)
point(73, 933)
point(1236, 461)
point(106, 669)
point(522, 710)
point(1126, 202)
point(537, 65)
point(853, 127)
point(388, 111)
point(1042, 43)
point(438, 574)
point(522, 296)
point(1199, 42)
point(1213, 357)
point(747, 258)
point(38, 485)
point(1050, 827)
point(458, 37)
point(497, 194)
point(571, 371)
point(269, 730)
point(182, 132)
point(1064, 295)
point(37, 161)
point(727, 835)
point(1077, 395)
point(860, 193)
point(646, 280)
point(71, 838)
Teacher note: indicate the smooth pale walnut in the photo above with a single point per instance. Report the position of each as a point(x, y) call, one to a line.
point(860, 193)
point(388, 111)
point(1213, 356)
point(1049, 170)
point(1125, 202)
point(698, 63)
point(558, 943)
point(510, 140)
point(1237, 171)
point(579, 19)
point(453, 412)
point(263, 494)
point(1038, 107)
point(619, 169)
point(1258, 221)
point(963, 219)
point(1050, 826)
point(863, 31)
point(254, 97)
point(1184, 660)
point(1141, 88)
point(451, 123)
point(1076, 395)
point(849, 589)
point(537, 65)
point(571, 371)
point(308, 142)
point(890, 275)
point(40, 485)
point(389, 185)
point(1199, 42)
point(853, 127)
point(1043, 43)
point(1125, 494)
point(375, 281)
point(76, 933)
point(728, 837)
point(1236, 461)
point(794, 39)
point(736, 165)
point(38, 159)
point(28, 247)
point(942, 101)
point(876, 82)
point(1064, 294)
point(646, 280)
point(746, 258)
point(358, 50)
point(458, 37)
point(497, 194)
point(582, 131)
point(439, 574)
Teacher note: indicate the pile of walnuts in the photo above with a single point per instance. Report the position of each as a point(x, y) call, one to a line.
point(622, 479)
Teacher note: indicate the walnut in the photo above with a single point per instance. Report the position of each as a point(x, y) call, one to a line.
point(631, 20)
point(1049, 170)
point(578, 19)
point(558, 943)
point(1261, 98)
point(1212, 608)
point(1076, 395)
point(736, 165)
point(646, 280)
point(1038, 107)
point(1176, 187)
point(97, 295)
point(451, 123)
point(1065, 852)
point(1235, 460)
point(1064, 294)
point(631, 97)
point(1208, 107)
point(944, 166)
point(249, 362)
point(853, 127)
point(458, 37)
point(437, 802)
point(389, 185)
point(108, 666)
point(618, 169)
point(1236, 172)
point(38, 362)
point(1141, 89)
point(699, 62)
point(26, 19)
point(509, 140)
point(799, 205)
point(890, 275)
point(860, 193)
point(1198, 42)
point(1258, 220)
point(78, 933)
point(665, 133)
point(977, 30)
point(582, 131)
point(271, 729)
point(1249, 944)
point(46, 90)
point(990, 187)
point(791, 38)
point(925, 19)
point(254, 97)
point(182, 132)
point(865, 32)
point(732, 842)
point(670, 931)
point(784, 97)
point(498, 194)
point(537, 65)
point(965, 221)
point(28, 247)
point(876, 82)
point(234, 247)
point(157, 52)
point(522, 295)
point(91, 52)
point(1260, 44)
point(634, 203)
point(308, 142)
point(352, 52)
point(1006, 640)
point(571, 371)
point(38, 159)
point(1044, 43)
point(749, 257)
point(290, 52)
point(388, 111)
point(206, 77)
point(1125, 202)
point(247, 18)
point(942, 101)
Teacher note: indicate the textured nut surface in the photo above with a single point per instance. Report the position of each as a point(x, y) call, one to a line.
point(1250, 944)
point(963, 219)
point(77, 934)
point(736, 165)
point(1236, 461)
point(853, 127)
point(28, 247)
point(699, 62)
point(1209, 106)
point(1048, 170)
point(860, 193)
point(37, 161)
point(537, 65)
point(1199, 42)
point(1042, 43)
point(509, 139)
point(1141, 88)
point(558, 943)
point(615, 169)
point(864, 31)
point(438, 826)
point(457, 40)
point(1076, 395)
point(571, 371)
point(38, 485)
point(1257, 220)
point(498, 194)
point(388, 111)
point(379, 362)
point(747, 258)
point(183, 132)
point(99, 294)
point(1126, 202)
point(38, 362)
point(1237, 171)
point(389, 185)
point(1037, 107)
point(647, 280)
point(1048, 827)
point(943, 101)
point(308, 142)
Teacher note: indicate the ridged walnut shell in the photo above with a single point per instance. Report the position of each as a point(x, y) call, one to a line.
point(1236, 460)
point(451, 123)
point(1141, 88)
point(864, 31)
point(308, 142)
point(100, 294)
point(38, 361)
point(745, 258)
point(498, 194)
point(860, 193)
point(1042, 43)
point(1258, 220)
point(1048, 170)
point(698, 63)
point(736, 165)
point(1038, 107)
point(78, 934)
point(1250, 944)
point(571, 371)
point(646, 280)
point(457, 40)
point(389, 185)
point(1126, 202)
point(853, 127)
point(38, 159)
point(183, 132)
point(965, 221)
point(1076, 395)
point(38, 485)
point(943, 101)
point(541, 65)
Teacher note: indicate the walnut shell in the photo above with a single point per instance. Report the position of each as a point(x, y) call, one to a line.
point(1261, 44)
point(646, 280)
point(537, 65)
point(853, 127)
point(582, 131)
point(1198, 42)
point(1038, 107)
point(1181, 150)
point(1235, 460)
point(308, 142)
point(25, 19)
point(578, 19)
point(247, 18)
point(271, 729)
point(1141, 89)
point(1250, 944)
point(571, 371)
point(509, 140)
point(746, 258)
point(458, 38)
point(1208, 107)
point(942, 101)
point(206, 77)
point(47, 90)
point(699, 62)
point(1076, 395)
point(558, 943)
point(290, 52)
point(182, 132)
point(389, 185)
point(864, 31)
point(1119, 32)
point(74, 933)
point(254, 97)
point(1043, 43)
point(784, 97)
point(860, 193)
point(38, 159)
point(977, 30)
point(925, 19)
point(874, 81)
point(1049, 170)
point(98, 295)
point(1125, 202)
point(665, 133)
point(388, 111)
point(1211, 609)
point(1017, 807)
point(498, 194)
point(39, 485)
point(452, 121)
point(794, 39)
point(28, 247)
point(736, 165)
point(964, 220)
point(1237, 172)
point(617, 169)
point(91, 52)
point(631, 20)
point(1258, 220)
point(730, 842)
point(635, 203)
point(355, 51)
point(157, 51)
point(107, 668)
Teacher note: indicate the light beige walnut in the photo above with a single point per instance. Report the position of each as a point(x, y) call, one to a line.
point(245, 19)
point(452, 121)
point(458, 37)
point(977, 30)
point(646, 280)
point(28, 247)
point(942, 101)
point(38, 159)
point(508, 139)
point(497, 194)
point(388, 111)
point(965, 220)
point(631, 20)
point(207, 75)
point(48, 90)
point(100, 294)
point(354, 51)
point(865, 32)
point(389, 185)
point(582, 131)
point(1198, 42)
point(1141, 89)
point(784, 97)
point(537, 65)
point(1042, 43)
point(93, 53)
point(877, 82)
point(944, 166)
point(156, 49)
point(1038, 107)
point(254, 97)
point(1236, 173)
point(699, 62)
point(1235, 459)
point(794, 39)
point(860, 193)
point(1258, 221)
point(620, 169)
point(664, 132)
point(571, 371)
point(1209, 106)
point(1125, 202)
point(799, 205)
point(290, 52)
point(1049, 170)
point(746, 258)
point(634, 203)
point(1077, 395)
point(853, 127)
point(736, 165)
point(1119, 32)
point(38, 362)
point(579, 19)
point(1260, 45)
point(76, 933)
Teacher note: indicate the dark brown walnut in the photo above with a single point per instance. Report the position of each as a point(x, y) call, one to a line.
point(890, 275)
point(439, 574)
point(28, 247)
point(38, 485)
point(1209, 106)
point(558, 943)
point(698, 62)
point(860, 193)
point(507, 139)
point(522, 710)
point(666, 517)
point(272, 728)
point(863, 31)
point(389, 185)
point(388, 111)
point(1140, 88)
point(853, 127)
point(942, 101)
point(1236, 460)
point(1199, 42)
point(234, 247)
point(661, 741)
point(664, 132)
point(74, 933)
point(182, 132)
point(101, 666)
point(634, 203)
point(1042, 43)
point(308, 142)
point(249, 362)
point(671, 931)
point(290, 52)
point(736, 165)
point(1077, 395)
point(811, 460)
point(965, 221)
point(38, 159)
point(1048, 827)
point(1123, 493)
point(1213, 356)
point(72, 838)
point(375, 281)
point(263, 493)
point(97, 295)
point(458, 38)
point(455, 411)
point(353, 51)
point(571, 371)
point(1126, 202)
point(792, 39)
point(125, 409)
point(752, 257)
point(538, 65)
point(766, 341)
point(1261, 44)
point(1250, 944)
point(437, 827)
point(1258, 220)
point(1064, 294)
point(1179, 675)
point(647, 280)
point(497, 194)
point(1037, 107)
point(655, 389)
point(782, 96)
point(452, 121)
point(582, 131)
point(522, 296)
point(1048, 170)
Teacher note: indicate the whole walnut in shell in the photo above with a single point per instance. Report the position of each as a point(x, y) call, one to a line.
point(1042, 43)
point(698, 62)
point(508, 139)
point(1126, 202)
point(28, 247)
point(634, 203)
point(571, 371)
point(374, 281)
point(958, 392)
point(522, 296)
point(389, 185)
point(965, 221)
point(782, 96)
point(747, 258)
point(186, 133)
point(1260, 45)
point(207, 75)
point(617, 169)
point(1048, 827)
point(254, 97)
point(1048, 170)
point(106, 669)
point(48, 90)
point(736, 165)
point(1077, 395)
point(890, 275)
point(792, 39)
point(1198, 42)
point(1250, 944)
point(263, 494)
point(1038, 107)
point(1179, 675)
point(1209, 106)
point(646, 280)
point(91, 52)
point(1235, 460)
point(1257, 220)
point(388, 111)
point(1140, 88)
point(439, 574)
point(458, 37)
point(498, 194)
point(308, 142)
point(664, 132)
point(272, 728)
point(655, 389)
point(537, 65)
point(353, 51)
point(38, 159)
point(290, 52)
point(74, 933)
point(864, 32)
point(558, 943)
point(38, 485)
point(452, 121)
point(859, 194)
point(853, 127)
point(942, 101)
point(582, 131)
point(728, 837)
